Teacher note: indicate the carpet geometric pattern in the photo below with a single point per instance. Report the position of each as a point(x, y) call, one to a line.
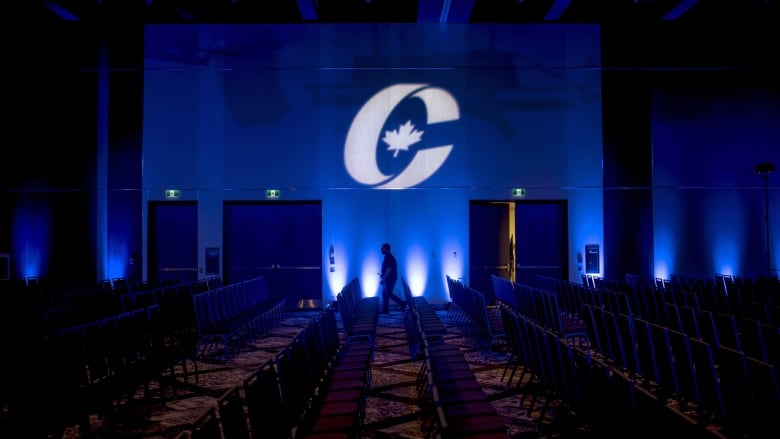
point(392, 408)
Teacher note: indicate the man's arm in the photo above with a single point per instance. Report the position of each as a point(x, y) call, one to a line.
point(387, 272)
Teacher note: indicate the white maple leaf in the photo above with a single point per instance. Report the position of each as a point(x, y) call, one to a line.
point(401, 138)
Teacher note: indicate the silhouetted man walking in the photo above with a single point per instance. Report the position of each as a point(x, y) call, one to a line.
point(389, 277)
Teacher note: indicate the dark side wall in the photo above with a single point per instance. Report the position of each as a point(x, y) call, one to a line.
point(649, 71)
point(73, 87)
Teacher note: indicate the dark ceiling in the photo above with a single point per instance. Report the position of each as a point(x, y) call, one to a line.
point(689, 12)
point(636, 33)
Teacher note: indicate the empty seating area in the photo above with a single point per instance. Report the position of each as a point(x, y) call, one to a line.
point(315, 386)
point(705, 347)
point(684, 355)
point(229, 317)
point(476, 315)
point(102, 349)
point(81, 349)
point(550, 308)
point(672, 369)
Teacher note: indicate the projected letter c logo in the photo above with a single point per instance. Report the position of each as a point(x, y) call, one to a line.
point(362, 139)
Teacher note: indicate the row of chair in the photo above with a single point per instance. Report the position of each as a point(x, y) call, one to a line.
point(86, 359)
point(544, 308)
point(584, 389)
point(755, 337)
point(64, 308)
point(100, 365)
point(359, 314)
point(102, 362)
point(420, 313)
point(225, 420)
point(314, 387)
point(449, 393)
point(477, 318)
point(718, 382)
point(153, 295)
point(644, 296)
point(757, 299)
point(229, 317)
point(45, 293)
point(342, 377)
point(677, 359)
point(536, 365)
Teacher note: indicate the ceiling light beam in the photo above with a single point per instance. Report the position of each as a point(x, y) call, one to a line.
point(556, 10)
point(306, 9)
point(61, 11)
point(444, 11)
point(680, 9)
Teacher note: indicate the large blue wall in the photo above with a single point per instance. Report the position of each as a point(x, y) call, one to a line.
point(230, 111)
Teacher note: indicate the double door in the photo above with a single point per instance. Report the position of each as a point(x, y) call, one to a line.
point(517, 240)
point(281, 241)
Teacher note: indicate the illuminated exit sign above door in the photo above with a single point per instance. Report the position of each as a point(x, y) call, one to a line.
point(273, 193)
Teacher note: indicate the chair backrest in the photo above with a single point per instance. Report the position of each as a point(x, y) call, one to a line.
point(504, 291)
point(230, 407)
point(264, 403)
point(293, 375)
point(206, 426)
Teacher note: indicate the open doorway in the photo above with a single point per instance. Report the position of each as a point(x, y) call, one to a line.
point(517, 240)
point(491, 243)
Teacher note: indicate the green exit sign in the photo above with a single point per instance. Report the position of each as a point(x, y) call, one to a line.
point(518, 192)
point(273, 193)
point(171, 193)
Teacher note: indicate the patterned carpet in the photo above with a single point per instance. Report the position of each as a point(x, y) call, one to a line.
point(392, 410)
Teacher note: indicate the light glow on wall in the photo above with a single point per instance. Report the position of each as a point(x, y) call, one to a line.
point(726, 228)
point(369, 275)
point(416, 269)
point(664, 253)
point(32, 260)
point(117, 260)
point(666, 225)
point(31, 237)
point(727, 271)
point(661, 269)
